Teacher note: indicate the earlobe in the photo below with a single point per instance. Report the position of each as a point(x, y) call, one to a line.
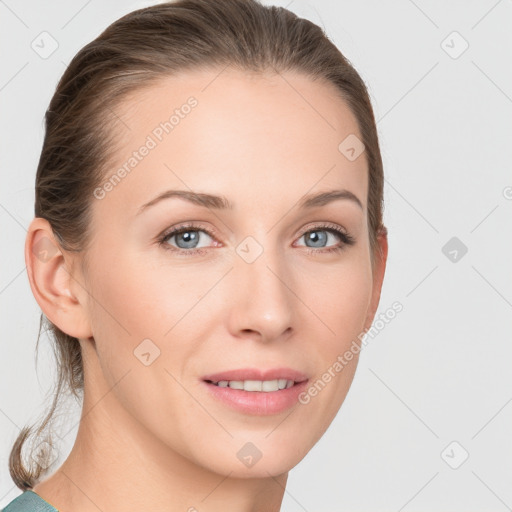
point(51, 280)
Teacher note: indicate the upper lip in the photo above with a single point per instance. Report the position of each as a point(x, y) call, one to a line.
point(257, 374)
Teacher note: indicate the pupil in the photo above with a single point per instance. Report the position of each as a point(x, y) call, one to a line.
point(316, 239)
point(189, 238)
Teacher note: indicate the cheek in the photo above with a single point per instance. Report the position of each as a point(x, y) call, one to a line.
point(339, 296)
point(143, 307)
point(350, 300)
point(340, 300)
point(131, 306)
point(143, 300)
point(348, 307)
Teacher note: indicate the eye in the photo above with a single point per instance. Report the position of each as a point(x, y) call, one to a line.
point(187, 239)
point(319, 236)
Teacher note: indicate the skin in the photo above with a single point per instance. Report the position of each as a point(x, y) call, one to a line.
point(150, 437)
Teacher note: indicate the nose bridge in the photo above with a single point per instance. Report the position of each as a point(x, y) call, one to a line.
point(262, 300)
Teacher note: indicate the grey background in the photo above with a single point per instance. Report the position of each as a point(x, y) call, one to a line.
point(441, 370)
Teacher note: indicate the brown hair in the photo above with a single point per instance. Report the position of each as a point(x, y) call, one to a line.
point(134, 51)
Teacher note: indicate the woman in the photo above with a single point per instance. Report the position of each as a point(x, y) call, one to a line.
point(207, 241)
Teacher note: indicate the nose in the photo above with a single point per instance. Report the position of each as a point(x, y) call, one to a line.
point(262, 301)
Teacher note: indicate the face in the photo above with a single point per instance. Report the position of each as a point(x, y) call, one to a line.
point(268, 288)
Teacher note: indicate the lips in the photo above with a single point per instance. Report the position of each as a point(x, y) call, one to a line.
point(256, 391)
point(243, 374)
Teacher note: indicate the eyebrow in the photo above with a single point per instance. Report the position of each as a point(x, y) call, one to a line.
point(222, 203)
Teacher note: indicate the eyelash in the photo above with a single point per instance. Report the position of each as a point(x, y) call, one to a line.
point(345, 238)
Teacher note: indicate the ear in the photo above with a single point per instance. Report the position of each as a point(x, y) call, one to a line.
point(379, 270)
point(60, 294)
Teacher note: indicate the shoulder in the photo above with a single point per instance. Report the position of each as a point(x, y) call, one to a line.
point(29, 501)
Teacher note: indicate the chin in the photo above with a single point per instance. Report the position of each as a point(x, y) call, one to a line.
point(257, 459)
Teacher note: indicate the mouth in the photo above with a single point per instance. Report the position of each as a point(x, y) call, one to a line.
point(257, 392)
point(257, 380)
point(264, 386)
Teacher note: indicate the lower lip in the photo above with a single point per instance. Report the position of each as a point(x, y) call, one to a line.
point(260, 403)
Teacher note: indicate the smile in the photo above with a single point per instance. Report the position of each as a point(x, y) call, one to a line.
point(265, 386)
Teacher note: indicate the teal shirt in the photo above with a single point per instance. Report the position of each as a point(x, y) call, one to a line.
point(29, 501)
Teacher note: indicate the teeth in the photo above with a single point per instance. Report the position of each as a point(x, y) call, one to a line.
point(256, 385)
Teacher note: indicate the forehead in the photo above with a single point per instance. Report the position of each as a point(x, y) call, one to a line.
point(214, 130)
